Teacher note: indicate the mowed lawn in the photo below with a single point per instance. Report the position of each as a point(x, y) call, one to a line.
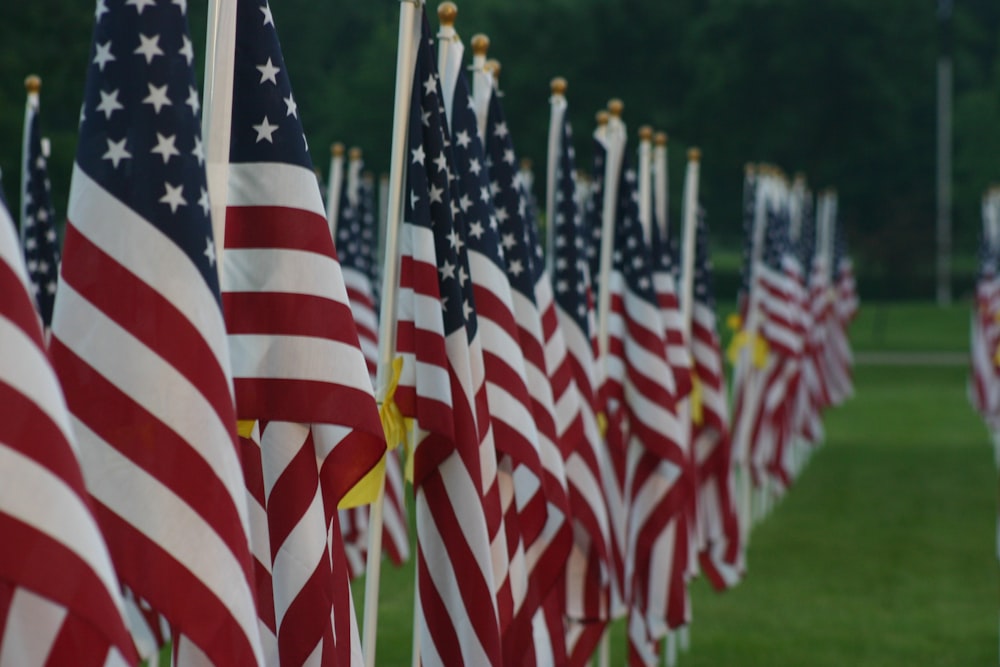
point(882, 554)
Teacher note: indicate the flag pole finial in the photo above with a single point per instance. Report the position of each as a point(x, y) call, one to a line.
point(337, 149)
point(694, 155)
point(558, 86)
point(660, 139)
point(32, 83)
point(447, 13)
point(492, 67)
point(603, 117)
point(615, 107)
point(354, 154)
point(480, 44)
point(526, 164)
point(645, 133)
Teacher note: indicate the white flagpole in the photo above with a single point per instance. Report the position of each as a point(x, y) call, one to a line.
point(558, 105)
point(334, 184)
point(355, 163)
point(646, 181)
point(688, 234)
point(483, 81)
point(450, 53)
point(406, 57)
point(32, 85)
point(661, 184)
point(217, 113)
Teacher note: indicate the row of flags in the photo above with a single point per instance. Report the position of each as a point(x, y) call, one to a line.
point(216, 408)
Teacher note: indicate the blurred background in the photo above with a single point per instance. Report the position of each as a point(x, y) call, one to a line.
point(842, 90)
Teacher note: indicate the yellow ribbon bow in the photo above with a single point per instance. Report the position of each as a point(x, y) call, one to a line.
point(697, 414)
point(758, 345)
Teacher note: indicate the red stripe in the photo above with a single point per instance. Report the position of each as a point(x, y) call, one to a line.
point(115, 291)
point(308, 619)
point(249, 227)
point(490, 307)
point(78, 644)
point(253, 470)
point(586, 644)
point(47, 568)
point(287, 314)
point(291, 495)
point(434, 611)
point(192, 609)
point(306, 401)
point(353, 458)
point(151, 445)
point(17, 307)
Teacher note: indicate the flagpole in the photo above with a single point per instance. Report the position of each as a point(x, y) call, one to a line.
point(217, 113)
point(646, 181)
point(661, 184)
point(409, 30)
point(690, 226)
point(32, 86)
point(557, 105)
point(334, 184)
point(482, 81)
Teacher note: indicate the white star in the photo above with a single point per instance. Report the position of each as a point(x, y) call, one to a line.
point(192, 100)
point(210, 251)
point(447, 270)
point(462, 275)
point(515, 268)
point(266, 11)
point(643, 282)
point(30, 244)
point(435, 194)
point(268, 72)
point(109, 103)
point(474, 166)
point(500, 130)
point(101, 10)
point(206, 206)
point(157, 97)
point(116, 152)
point(291, 106)
point(430, 85)
point(103, 55)
point(508, 241)
point(502, 214)
point(187, 50)
point(199, 150)
point(562, 286)
point(140, 4)
point(462, 138)
point(165, 146)
point(476, 229)
point(455, 240)
point(441, 162)
point(418, 154)
point(149, 47)
point(173, 197)
point(182, 4)
point(414, 199)
point(466, 309)
point(265, 130)
point(508, 156)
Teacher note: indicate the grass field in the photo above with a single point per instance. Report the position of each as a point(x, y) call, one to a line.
point(881, 555)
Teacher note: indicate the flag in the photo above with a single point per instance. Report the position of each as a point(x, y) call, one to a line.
point(720, 553)
point(544, 349)
point(298, 365)
point(138, 339)
point(38, 221)
point(438, 341)
point(59, 596)
point(589, 568)
point(840, 359)
point(984, 378)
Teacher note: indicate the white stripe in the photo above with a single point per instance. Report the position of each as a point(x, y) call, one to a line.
point(144, 251)
point(10, 248)
point(283, 271)
point(274, 184)
point(279, 444)
point(296, 559)
point(33, 623)
point(140, 373)
point(179, 529)
point(299, 358)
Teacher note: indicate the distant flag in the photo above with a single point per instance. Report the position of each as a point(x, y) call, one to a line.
point(984, 381)
point(59, 595)
point(298, 366)
point(839, 355)
point(139, 340)
point(589, 569)
point(438, 341)
point(38, 216)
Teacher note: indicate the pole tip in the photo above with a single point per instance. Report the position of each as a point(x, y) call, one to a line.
point(603, 117)
point(354, 153)
point(492, 66)
point(558, 86)
point(660, 138)
point(337, 149)
point(32, 83)
point(480, 44)
point(750, 169)
point(645, 133)
point(615, 107)
point(447, 13)
point(526, 164)
point(694, 155)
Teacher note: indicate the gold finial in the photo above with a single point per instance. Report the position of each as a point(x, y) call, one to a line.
point(615, 107)
point(447, 11)
point(749, 169)
point(660, 138)
point(354, 153)
point(492, 66)
point(526, 164)
point(558, 86)
point(603, 117)
point(337, 149)
point(694, 155)
point(480, 44)
point(645, 133)
point(32, 83)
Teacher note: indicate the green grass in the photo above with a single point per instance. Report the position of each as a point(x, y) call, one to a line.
point(912, 327)
point(883, 553)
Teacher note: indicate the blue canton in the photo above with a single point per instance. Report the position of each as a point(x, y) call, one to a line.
point(703, 292)
point(41, 244)
point(631, 255)
point(571, 276)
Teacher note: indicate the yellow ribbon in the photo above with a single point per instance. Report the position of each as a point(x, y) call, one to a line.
point(996, 356)
point(245, 427)
point(602, 424)
point(758, 348)
point(697, 414)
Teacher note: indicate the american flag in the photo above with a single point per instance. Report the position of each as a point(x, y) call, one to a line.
point(139, 341)
point(589, 568)
point(544, 349)
point(984, 380)
point(840, 359)
point(59, 595)
point(38, 219)
point(438, 340)
point(298, 366)
point(721, 554)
